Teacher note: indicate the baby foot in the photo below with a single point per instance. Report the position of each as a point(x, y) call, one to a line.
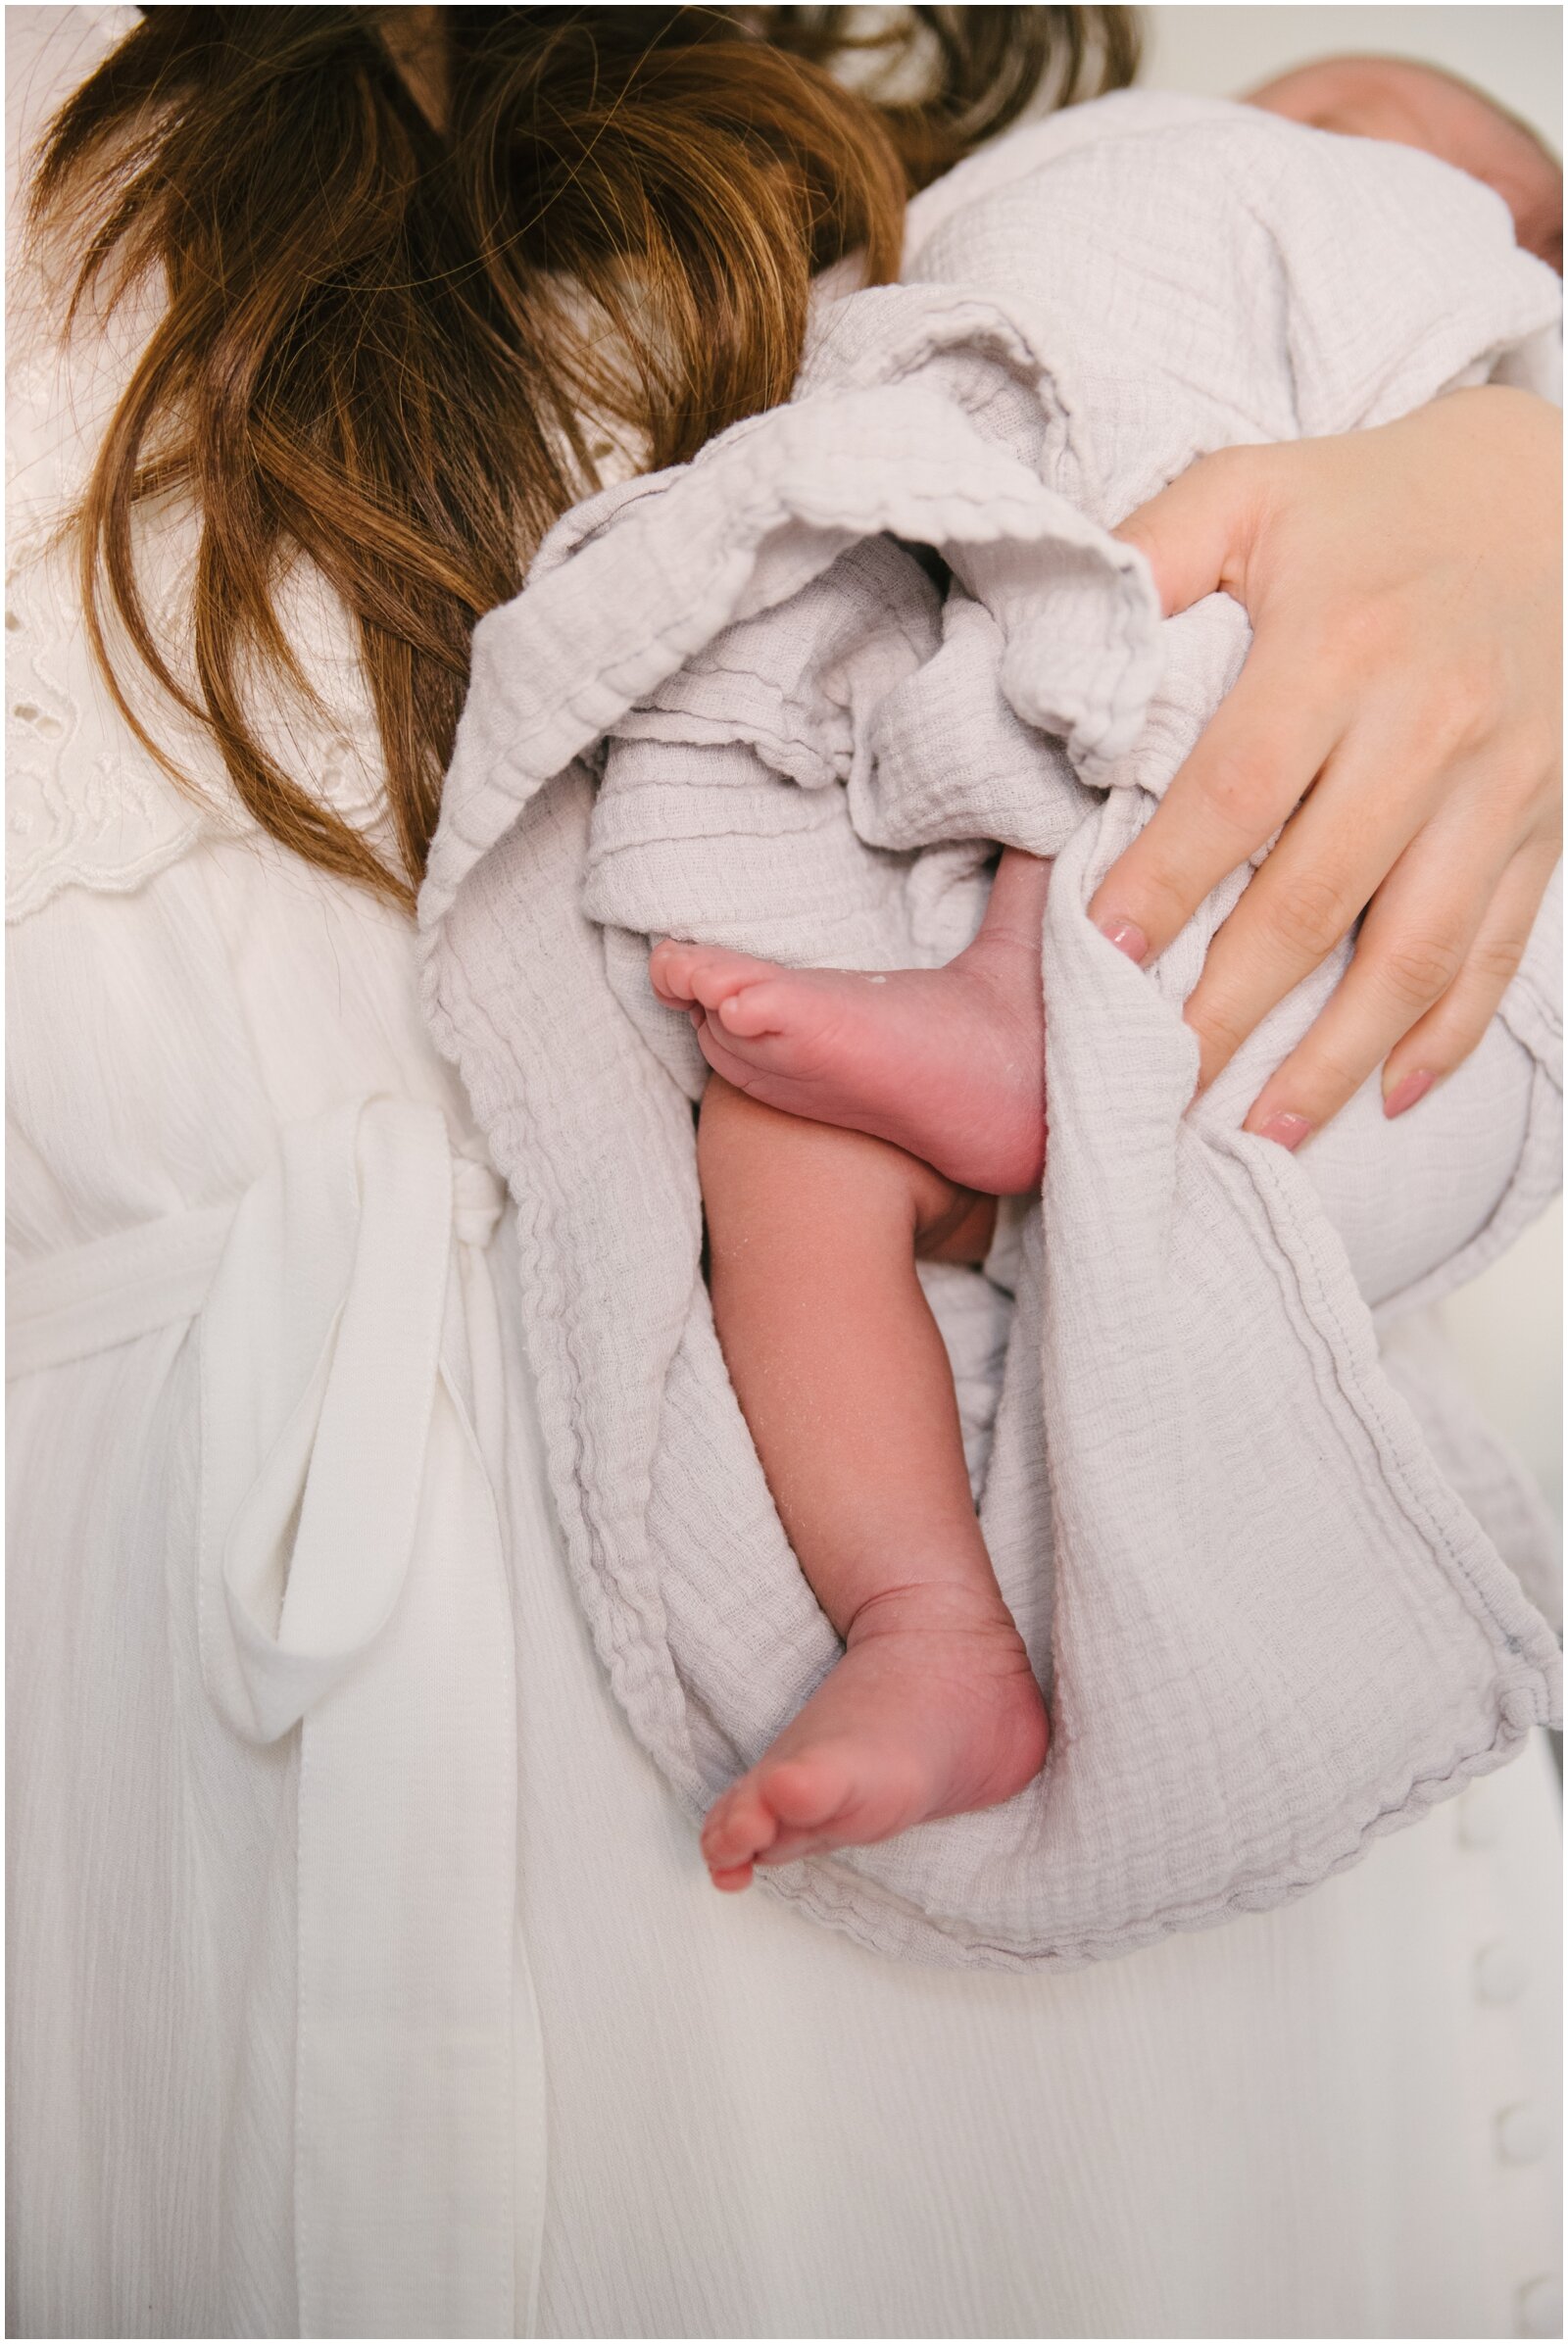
point(932, 1711)
point(946, 1062)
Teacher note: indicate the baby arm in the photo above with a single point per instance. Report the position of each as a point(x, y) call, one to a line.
point(814, 1233)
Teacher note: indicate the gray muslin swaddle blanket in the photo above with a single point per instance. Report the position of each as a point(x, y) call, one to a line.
point(735, 702)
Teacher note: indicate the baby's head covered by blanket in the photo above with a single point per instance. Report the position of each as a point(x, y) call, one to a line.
point(1420, 106)
point(732, 705)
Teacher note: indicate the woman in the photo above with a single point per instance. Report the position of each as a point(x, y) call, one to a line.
point(292, 2034)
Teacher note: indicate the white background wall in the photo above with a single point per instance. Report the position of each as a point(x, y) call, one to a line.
point(1515, 53)
point(1506, 1327)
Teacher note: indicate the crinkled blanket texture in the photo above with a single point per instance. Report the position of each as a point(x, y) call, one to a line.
point(732, 703)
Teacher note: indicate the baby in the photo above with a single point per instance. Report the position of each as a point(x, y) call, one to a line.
point(855, 1125)
point(1415, 105)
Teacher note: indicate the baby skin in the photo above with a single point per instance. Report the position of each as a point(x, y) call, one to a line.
point(852, 1126)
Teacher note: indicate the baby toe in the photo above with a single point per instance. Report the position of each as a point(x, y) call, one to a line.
point(732, 1881)
point(737, 1829)
point(669, 966)
point(715, 975)
point(754, 1010)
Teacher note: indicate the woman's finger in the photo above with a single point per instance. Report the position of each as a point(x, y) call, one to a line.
point(1259, 755)
point(1196, 534)
point(1415, 942)
point(1334, 854)
point(1445, 1038)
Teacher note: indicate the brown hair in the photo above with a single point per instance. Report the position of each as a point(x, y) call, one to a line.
point(383, 337)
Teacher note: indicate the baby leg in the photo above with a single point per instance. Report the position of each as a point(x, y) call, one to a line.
point(946, 1062)
point(841, 1371)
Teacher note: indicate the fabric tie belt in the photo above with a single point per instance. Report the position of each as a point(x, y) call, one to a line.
point(352, 1582)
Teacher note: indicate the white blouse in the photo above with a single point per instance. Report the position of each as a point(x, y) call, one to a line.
point(365, 1978)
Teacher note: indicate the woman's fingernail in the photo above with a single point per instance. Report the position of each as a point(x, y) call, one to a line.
point(1407, 1090)
point(1287, 1130)
point(1126, 936)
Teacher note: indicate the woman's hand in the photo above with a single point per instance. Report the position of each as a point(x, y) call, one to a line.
point(1398, 714)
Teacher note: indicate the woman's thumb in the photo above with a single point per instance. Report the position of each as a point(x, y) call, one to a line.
point(1196, 534)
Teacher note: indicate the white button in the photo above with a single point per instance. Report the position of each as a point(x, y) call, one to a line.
point(1541, 2307)
point(1480, 1824)
point(1502, 1974)
point(1521, 2135)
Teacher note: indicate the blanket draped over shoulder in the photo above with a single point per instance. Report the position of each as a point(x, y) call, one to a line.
point(740, 702)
